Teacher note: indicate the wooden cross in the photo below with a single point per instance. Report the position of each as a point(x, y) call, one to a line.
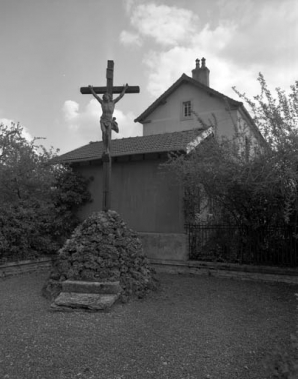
point(106, 158)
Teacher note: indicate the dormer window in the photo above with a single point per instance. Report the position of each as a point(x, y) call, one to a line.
point(186, 111)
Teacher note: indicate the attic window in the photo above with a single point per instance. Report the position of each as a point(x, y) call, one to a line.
point(186, 110)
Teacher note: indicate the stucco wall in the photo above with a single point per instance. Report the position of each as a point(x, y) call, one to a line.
point(166, 118)
point(147, 198)
point(247, 132)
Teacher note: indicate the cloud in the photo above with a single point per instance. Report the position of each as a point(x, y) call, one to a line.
point(180, 38)
point(165, 67)
point(6, 121)
point(267, 41)
point(166, 25)
point(266, 34)
point(127, 126)
point(224, 74)
point(214, 40)
point(128, 38)
point(85, 127)
point(128, 4)
point(70, 110)
point(81, 121)
point(246, 38)
point(25, 132)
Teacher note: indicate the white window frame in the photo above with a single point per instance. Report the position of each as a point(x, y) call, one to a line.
point(186, 105)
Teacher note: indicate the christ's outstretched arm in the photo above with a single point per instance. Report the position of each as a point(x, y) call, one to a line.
point(95, 95)
point(121, 94)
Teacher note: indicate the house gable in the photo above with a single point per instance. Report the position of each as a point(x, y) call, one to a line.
point(188, 99)
point(168, 113)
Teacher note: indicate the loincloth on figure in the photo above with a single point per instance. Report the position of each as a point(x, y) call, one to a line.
point(108, 124)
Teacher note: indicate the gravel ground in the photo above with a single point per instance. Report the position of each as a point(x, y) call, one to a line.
point(194, 327)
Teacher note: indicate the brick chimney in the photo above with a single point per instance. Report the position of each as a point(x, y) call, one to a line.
point(201, 74)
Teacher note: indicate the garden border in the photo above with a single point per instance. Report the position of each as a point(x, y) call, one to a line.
point(22, 267)
point(229, 270)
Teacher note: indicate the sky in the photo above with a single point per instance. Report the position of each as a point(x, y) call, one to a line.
point(51, 48)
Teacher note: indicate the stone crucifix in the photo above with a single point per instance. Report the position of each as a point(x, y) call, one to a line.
point(108, 123)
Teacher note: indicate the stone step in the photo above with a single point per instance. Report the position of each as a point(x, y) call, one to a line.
point(84, 301)
point(91, 287)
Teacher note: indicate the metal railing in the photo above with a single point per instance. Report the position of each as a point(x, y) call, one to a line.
point(265, 245)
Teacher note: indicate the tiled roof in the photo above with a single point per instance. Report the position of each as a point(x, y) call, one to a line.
point(157, 143)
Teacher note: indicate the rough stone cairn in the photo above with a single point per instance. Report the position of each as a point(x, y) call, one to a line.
point(103, 249)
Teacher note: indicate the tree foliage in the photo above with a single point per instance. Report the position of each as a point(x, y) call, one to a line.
point(38, 198)
point(259, 188)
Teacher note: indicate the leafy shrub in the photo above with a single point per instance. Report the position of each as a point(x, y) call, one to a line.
point(242, 179)
point(38, 197)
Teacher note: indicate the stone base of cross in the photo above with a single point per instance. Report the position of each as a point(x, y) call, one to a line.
point(108, 104)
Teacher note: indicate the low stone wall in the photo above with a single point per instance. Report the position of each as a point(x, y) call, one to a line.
point(245, 272)
point(230, 270)
point(21, 267)
point(165, 245)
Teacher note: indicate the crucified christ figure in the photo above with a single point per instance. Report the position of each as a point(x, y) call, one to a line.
point(107, 121)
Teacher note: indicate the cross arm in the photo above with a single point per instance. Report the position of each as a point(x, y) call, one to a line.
point(101, 90)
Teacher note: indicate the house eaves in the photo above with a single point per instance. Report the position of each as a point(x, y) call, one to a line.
point(157, 143)
point(182, 80)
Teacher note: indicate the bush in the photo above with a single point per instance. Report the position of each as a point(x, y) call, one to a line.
point(256, 186)
point(38, 197)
